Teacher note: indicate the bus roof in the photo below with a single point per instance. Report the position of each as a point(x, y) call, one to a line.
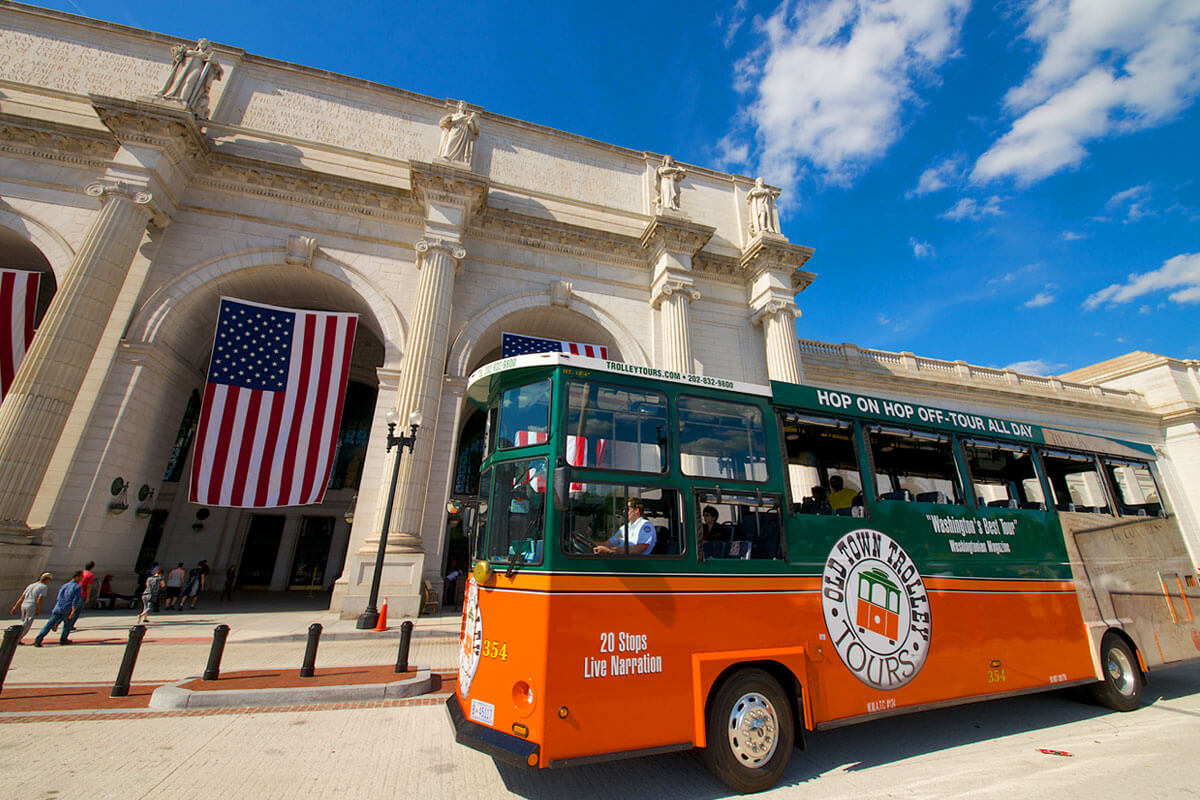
point(834, 401)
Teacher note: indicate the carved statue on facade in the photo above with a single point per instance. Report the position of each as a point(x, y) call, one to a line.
point(460, 129)
point(762, 208)
point(193, 70)
point(669, 177)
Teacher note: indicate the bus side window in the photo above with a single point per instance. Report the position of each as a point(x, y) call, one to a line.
point(822, 465)
point(746, 526)
point(914, 466)
point(1075, 482)
point(1137, 494)
point(598, 514)
point(1003, 475)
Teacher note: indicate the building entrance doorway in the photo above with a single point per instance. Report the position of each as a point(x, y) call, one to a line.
point(312, 553)
point(260, 551)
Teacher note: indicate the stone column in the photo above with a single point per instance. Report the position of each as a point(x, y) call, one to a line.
point(670, 243)
point(772, 268)
point(779, 329)
point(420, 383)
point(44, 388)
point(673, 300)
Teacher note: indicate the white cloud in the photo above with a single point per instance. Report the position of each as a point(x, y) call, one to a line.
point(1107, 67)
point(921, 249)
point(970, 208)
point(1132, 201)
point(737, 16)
point(1071, 236)
point(1181, 273)
point(833, 77)
point(1036, 366)
point(938, 177)
point(1043, 298)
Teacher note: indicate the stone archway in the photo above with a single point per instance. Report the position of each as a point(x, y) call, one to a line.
point(551, 313)
point(164, 358)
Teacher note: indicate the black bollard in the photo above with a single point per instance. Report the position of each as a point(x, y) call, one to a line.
point(310, 652)
point(405, 640)
point(125, 674)
point(213, 670)
point(8, 647)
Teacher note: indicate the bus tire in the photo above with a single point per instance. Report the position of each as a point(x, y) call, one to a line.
point(1121, 688)
point(750, 732)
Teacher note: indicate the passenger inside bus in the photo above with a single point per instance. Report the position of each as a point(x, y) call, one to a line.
point(841, 495)
point(817, 502)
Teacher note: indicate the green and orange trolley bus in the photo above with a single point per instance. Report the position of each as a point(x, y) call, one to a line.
point(869, 557)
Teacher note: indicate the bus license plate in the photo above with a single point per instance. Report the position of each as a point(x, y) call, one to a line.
point(483, 712)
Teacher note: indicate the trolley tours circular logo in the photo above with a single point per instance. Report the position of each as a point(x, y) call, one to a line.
point(876, 609)
point(472, 639)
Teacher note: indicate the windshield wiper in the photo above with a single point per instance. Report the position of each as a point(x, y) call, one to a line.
point(517, 557)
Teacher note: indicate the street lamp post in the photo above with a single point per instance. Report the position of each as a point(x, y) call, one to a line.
point(370, 615)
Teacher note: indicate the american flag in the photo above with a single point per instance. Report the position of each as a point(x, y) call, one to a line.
point(18, 300)
point(577, 455)
point(514, 344)
point(272, 406)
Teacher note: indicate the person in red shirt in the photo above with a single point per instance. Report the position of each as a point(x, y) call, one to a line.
point(86, 586)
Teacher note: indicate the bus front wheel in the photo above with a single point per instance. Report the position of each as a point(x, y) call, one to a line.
point(750, 732)
point(1121, 688)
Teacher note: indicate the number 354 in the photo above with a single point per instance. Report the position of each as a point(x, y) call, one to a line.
point(996, 676)
point(493, 649)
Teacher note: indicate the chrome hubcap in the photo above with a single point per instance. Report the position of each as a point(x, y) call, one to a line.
point(753, 730)
point(1120, 671)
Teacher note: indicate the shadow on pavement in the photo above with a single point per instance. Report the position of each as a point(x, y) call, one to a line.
point(852, 748)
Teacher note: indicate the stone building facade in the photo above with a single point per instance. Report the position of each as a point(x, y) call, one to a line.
point(146, 177)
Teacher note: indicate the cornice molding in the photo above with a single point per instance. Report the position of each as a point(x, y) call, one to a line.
point(445, 183)
point(25, 137)
point(769, 251)
point(156, 124)
point(674, 235)
point(536, 233)
point(307, 187)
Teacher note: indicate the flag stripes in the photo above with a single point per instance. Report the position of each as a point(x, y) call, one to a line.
point(272, 406)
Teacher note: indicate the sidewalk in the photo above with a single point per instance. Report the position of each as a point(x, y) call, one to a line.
point(260, 666)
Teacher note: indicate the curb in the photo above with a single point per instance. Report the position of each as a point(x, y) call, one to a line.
point(174, 696)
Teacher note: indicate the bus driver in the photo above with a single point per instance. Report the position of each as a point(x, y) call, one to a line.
point(638, 530)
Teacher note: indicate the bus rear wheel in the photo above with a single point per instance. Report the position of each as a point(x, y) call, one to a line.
point(750, 732)
point(1121, 688)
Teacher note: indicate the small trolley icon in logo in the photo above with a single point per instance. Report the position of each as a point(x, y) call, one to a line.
point(878, 604)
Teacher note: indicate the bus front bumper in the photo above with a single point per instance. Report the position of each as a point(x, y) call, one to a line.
point(501, 746)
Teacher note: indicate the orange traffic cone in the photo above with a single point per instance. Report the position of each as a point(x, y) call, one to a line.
point(381, 625)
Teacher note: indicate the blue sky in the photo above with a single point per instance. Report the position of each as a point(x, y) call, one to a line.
point(1011, 184)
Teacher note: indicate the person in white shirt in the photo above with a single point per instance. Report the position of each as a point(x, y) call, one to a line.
point(637, 532)
point(30, 603)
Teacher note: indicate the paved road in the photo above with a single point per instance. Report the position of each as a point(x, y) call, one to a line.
point(987, 750)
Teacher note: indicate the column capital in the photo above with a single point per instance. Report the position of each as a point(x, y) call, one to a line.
point(671, 285)
point(108, 189)
point(452, 248)
point(772, 308)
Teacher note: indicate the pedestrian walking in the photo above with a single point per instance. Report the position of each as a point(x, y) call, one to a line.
point(230, 579)
point(174, 586)
point(30, 603)
point(194, 585)
point(86, 584)
point(65, 608)
point(154, 585)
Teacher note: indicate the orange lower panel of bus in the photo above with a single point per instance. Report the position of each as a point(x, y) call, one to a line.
point(624, 664)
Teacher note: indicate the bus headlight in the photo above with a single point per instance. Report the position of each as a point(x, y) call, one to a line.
point(482, 572)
